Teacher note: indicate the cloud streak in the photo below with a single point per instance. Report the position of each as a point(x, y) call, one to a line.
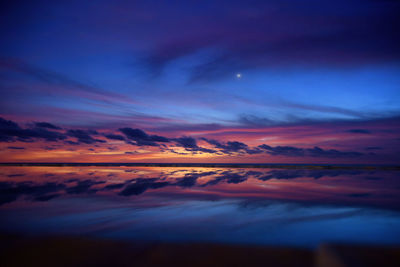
point(335, 39)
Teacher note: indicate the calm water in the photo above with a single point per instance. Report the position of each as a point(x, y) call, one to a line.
point(289, 207)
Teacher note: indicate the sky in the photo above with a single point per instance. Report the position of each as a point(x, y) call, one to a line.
point(200, 81)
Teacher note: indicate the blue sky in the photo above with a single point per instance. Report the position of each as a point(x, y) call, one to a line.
point(157, 65)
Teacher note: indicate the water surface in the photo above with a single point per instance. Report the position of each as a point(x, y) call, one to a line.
point(285, 207)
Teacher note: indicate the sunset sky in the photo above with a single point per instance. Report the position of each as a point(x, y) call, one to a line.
point(200, 81)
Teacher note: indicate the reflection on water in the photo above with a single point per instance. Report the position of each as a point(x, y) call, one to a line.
point(298, 207)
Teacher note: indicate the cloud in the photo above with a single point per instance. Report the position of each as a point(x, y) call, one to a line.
point(190, 179)
point(141, 138)
point(114, 186)
point(291, 151)
point(47, 125)
point(228, 177)
point(72, 143)
point(241, 41)
point(190, 144)
point(11, 131)
point(251, 120)
point(11, 191)
point(83, 187)
point(37, 191)
point(186, 142)
point(300, 173)
point(187, 181)
point(15, 175)
point(173, 151)
point(256, 121)
point(131, 152)
point(141, 185)
point(360, 195)
point(114, 137)
point(232, 147)
point(359, 131)
point(373, 148)
point(21, 71)
point(178, 128)
point(161, 56)
point(16, 147)
point(46, 197)
point(84, 136)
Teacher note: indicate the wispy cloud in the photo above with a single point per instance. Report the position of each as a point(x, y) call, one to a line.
point(17, 70)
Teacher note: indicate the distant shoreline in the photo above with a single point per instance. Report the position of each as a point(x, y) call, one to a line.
point(209, 165)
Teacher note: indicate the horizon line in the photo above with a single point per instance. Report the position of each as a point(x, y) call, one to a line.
point(205, 165)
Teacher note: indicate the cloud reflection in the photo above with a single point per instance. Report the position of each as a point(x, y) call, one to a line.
point(354, 187)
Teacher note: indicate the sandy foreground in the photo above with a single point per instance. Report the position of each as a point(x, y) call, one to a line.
point(77, 251)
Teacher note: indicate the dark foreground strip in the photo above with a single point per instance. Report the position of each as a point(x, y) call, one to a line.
point(78, 251)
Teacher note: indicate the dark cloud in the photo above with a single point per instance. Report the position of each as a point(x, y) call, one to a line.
point(83, 187)
point(190, 127)
point(15, 175)
point(46, 197)
point(141, 138)
point(190, 179)
point(113, 186)
point(373, 148)
point(84, 136)
point(11, 191)
point(190, 144)
point(71, 142)
point(187, 181)
point(254, 173)
point(358, 195)
point(232, 146)
point(10, 131)
point(283, 150)
point(6, 124)
point(359, 131)
point(141, 185)
point(49, 148)
point(373, 178)
point(234, 178)
point(47, 125)
point(228, 177)
point(186, 142)
point(114, 137)
point(302, 173)
point(173, 151)
point(291, 151)
point(6, 197)
point(45, 134)
point(16, 147)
